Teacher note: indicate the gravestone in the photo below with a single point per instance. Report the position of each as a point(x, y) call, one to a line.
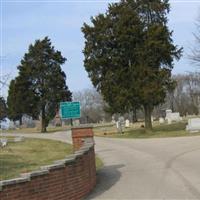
point(161, 120)
point(76, 122)
point(120, 124)
point(117, 124)
point(193, 125)
point(169, 121)
point(12, 125)
point(113, 119)
point(170, 116)
point(3, 142)
point(27, 121)
point(127, 123)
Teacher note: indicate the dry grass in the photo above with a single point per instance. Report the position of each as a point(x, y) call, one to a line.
point(165, 130)
point(29, 155)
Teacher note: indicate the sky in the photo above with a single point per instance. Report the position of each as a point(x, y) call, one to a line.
point(24, 21)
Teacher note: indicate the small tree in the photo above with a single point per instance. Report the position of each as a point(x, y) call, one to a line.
point(129, 55)
point(41, 83)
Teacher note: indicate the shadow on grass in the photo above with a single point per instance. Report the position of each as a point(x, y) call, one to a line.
point(106, 178)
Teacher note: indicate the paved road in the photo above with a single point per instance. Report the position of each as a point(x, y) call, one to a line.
point(145, 168)
point(149, 169)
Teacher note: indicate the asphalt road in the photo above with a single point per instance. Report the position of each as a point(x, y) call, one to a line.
point(144, 168)
point(148, 168)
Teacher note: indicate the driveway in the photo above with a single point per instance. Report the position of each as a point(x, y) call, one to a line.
point(144, 168)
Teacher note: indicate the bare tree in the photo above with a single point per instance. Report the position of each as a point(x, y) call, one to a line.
point(186, 96)
point(92, 106)
point(194, 55)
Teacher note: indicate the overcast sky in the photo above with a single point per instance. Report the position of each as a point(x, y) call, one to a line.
point(25, 21)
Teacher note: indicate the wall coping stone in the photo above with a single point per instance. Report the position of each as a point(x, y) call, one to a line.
point(53, 166)
point(13, 181)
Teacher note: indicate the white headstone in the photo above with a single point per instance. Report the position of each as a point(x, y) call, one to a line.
point(76, 122)
point(3, 142)
point(117, 124)
point(161, 120)
point(4, 125)
point(169, 121)
point(193, 125)
point(170, 116)
point(127, 123)
point(12, 125)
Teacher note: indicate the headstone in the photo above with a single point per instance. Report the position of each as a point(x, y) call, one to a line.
point(175, 116)
point(3, 142)
point(127, 123)
point(193, 125)
point(76, 122)
point(12, 125)
point(169, 121)
point(161, 120)
point(113, 119)
point(4, 125)
point(170, 116)
point(117, 124)
point(120, 124)
point(27, 121)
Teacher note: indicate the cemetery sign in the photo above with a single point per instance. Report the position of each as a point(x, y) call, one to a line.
point(70, 110)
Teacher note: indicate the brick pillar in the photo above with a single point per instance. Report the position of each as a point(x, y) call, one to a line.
point(81, 135)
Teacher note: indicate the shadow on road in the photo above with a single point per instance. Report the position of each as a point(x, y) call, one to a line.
point(106, 178)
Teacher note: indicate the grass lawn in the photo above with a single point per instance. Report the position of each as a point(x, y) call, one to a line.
point(29, 155)
point(172, 130)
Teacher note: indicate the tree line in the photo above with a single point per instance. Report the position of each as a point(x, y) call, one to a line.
point(129, 56)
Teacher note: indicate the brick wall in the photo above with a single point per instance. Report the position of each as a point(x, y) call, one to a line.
point(67, 179)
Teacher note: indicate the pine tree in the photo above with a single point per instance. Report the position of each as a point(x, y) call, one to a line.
point(3, 109)
point(129, 55)
point(41, 83)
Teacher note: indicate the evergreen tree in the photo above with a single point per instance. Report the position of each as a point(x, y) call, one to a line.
point(41, 83)
point(3, 109)
point(129, 54)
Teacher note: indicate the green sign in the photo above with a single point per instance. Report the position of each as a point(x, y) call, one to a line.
point(70, 110)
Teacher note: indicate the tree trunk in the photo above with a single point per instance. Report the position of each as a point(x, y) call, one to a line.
point(43, 122)
point(147, 113)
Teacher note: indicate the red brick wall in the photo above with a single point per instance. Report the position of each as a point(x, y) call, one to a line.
point(68, 179)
